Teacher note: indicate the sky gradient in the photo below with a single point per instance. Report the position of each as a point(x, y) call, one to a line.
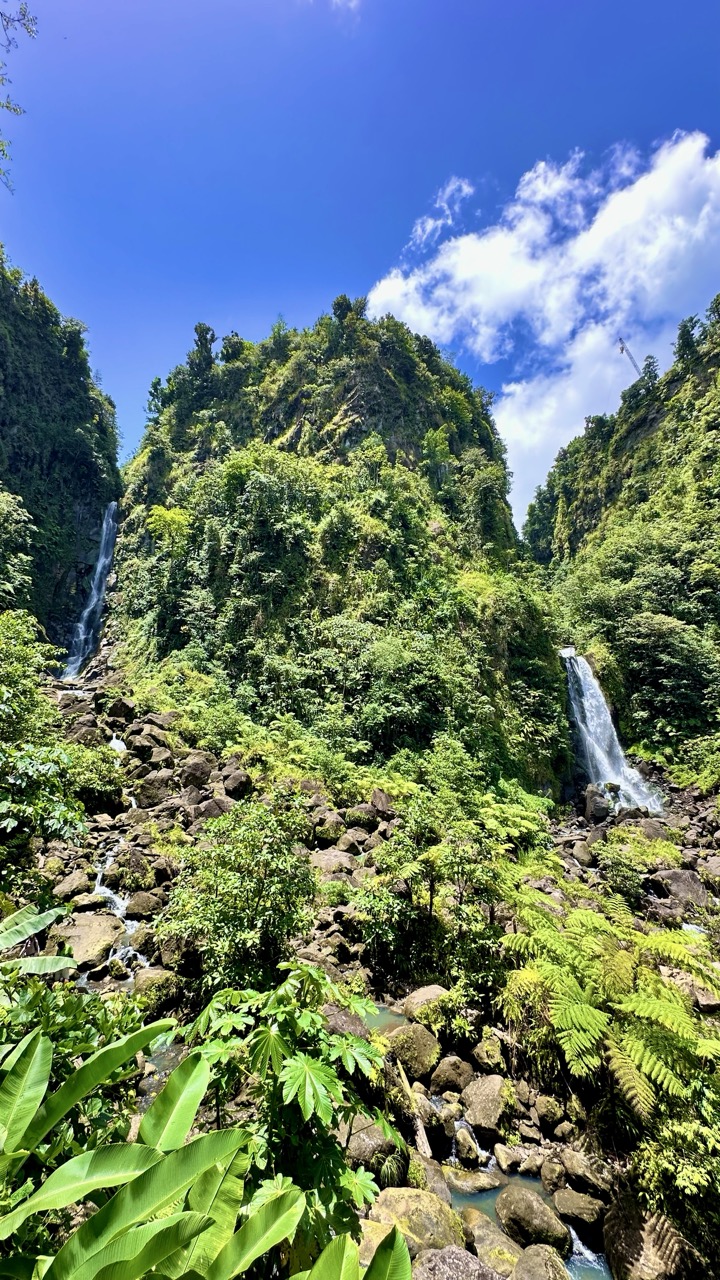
point(245, 158)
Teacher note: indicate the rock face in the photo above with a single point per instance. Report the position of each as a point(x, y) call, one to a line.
point(91, 937)
point(423, 1219)
point(539, 1262)
point(417, 1049)
point(529, 1220)
point(450, 1264)
point(498, 1253)
point(485, 1101)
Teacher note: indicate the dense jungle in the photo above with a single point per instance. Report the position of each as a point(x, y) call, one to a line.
point(324, 949)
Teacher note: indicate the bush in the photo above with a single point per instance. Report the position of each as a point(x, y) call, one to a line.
point(244, 891)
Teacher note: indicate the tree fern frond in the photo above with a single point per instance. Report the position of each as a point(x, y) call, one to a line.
point(647, 1059)
point(665, 1013)
point(634, 1086)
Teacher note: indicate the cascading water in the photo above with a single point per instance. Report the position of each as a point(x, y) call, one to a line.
point(87, 630)
point(600, 754)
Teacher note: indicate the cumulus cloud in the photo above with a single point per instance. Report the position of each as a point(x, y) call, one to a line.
point(577, 257)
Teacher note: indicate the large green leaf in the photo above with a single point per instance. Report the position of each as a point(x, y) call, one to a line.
point(272, 1224)
point(138, 1249)
point(41, 965)
point(23, 1088)
point(167, 1122)
point(25, 923)
point(391, 1260)
point(146, 1196)
point(340, 1260)
point(77, 1179)
point(218, 1194)
point(88, 1077)
point(313, 1083)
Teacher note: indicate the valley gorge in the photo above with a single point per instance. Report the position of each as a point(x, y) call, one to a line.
point(330, 792)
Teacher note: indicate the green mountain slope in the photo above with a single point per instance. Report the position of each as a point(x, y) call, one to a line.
point(58, 449)
point(317, 540)
point(629, 525)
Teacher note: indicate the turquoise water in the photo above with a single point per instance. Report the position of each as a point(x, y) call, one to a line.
point(385, 1019)
point(583, 1265)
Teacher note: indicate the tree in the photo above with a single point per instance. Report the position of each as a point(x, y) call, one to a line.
point(11, 21)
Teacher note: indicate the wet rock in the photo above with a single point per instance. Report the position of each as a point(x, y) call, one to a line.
point(526, 1218)
point(451, 1263)
point(88, 902)
point(424, 1220)
point(418, 1000)
point(77, 882)
point(486, 1102)
point(583, 854)
point(417, 1048)
point(539, 1262)
point(466, 1149)
point(451, 1073)
point(90, 935)
point(584, 1213)
point(493, 1248)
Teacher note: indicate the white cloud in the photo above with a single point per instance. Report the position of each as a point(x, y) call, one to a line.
point(574, 259)
point(447, 207)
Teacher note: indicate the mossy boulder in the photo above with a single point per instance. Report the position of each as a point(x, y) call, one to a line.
point(491, 1245)
point(526, 1218)
point(416, 1048)
point(424, 1220)
point(539, 1262)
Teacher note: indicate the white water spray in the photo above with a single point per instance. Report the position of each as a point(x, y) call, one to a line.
point(87, 630)
point(600, 755)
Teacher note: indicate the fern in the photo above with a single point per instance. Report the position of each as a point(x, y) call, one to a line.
point(664, 1013)
point(634, 1086)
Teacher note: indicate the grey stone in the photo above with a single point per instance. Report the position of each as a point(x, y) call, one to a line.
point(419, 999)
point(425, 1221)
point(584, 1213)
point(526, 1218)
point(451, 1073)
point(685, 886)
point(90, 935)
point(486, 1101)
point(491, 1245)
point(586, 1174)
point(77, 882)
point(539, 1262)
point(451, 1263)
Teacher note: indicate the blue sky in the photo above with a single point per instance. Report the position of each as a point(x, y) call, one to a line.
point(238, 159)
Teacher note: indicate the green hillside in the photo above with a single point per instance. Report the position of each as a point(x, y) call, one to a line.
point(58, 447)
point(628, 524)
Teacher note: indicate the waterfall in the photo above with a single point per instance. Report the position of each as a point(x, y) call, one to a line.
point(600, 754)
point(87, 630)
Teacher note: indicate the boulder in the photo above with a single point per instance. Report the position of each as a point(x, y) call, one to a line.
point(550, 1111)
point(237, 784)
point(486, 1101)
point(329, 828)
point(583, 854)
point(552, 1175)
point(372, 1234)
point(585, 1173)
point(466, 1183)
point(597, 805)
point(451, 1073)
point(416, 1047)
point(367, 1145)
point(142, 906)
point(195, 770)
point(424, 1220)
point(451, 1263)
point(493, 1248)
point(343, 1022)
point(331, 863)
point(77, 882)
point(653, 830)
point(685, 886)
point(90, 935)
point(381, 801)
point(362, 815)
point(508, 1159)
point(539, 1262)
point(157, 985)
point(418, 1000)
point(488, 1053)
point(584, 1213)
point(526, 1218)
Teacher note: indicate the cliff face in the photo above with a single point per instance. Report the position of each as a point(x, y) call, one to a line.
point(58, 449)
point(628, 524)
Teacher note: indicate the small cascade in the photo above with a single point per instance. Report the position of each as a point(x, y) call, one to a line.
point(87, 630)
point(600, 755)
point(124, 951)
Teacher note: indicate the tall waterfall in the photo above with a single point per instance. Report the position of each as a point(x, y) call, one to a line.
point(601, 756)
point(87, 630)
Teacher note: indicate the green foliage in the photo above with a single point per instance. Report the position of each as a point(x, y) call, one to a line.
point(21, 928)
point(627, 520)
point(58, 446)
point(305, 1082)
point(243, 891)
point(329, 558)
